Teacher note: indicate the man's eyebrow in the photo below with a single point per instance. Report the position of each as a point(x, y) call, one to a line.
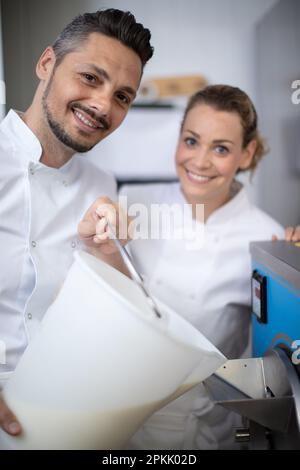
point(129, 90)
point(102, 73)
point(98, 70)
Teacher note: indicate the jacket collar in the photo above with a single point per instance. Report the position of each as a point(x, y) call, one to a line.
point(235, 205)
point(22, 138)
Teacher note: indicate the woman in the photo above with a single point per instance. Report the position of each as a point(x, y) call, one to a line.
point(208, 285)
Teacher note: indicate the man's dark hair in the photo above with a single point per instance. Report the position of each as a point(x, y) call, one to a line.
point(114, 23)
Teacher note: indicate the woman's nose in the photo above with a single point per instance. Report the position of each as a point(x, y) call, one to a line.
point(202, 158)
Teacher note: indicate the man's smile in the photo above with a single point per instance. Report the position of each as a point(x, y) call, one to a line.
point(86, 122)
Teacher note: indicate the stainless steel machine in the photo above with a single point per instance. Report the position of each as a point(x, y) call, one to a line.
point(265, 389)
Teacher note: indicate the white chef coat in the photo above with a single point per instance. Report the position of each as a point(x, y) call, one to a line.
point(210, 287)
point(39, 214)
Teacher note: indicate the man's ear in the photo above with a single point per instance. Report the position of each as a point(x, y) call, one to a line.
point(46, 64)
point(248, 154)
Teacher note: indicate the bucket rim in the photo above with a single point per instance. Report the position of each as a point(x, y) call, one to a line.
point(79, 256)
point(161, 325)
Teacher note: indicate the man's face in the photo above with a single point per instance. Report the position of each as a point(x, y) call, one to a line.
point(89, 94)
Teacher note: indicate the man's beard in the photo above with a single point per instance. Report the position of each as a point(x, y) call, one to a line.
point(58, 130)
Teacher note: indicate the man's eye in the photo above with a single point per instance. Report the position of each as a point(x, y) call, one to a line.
point(123, 98)
point(89, 78)
point(190, 141)
point(221, 149)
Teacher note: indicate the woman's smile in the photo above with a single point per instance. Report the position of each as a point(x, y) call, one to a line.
point(198, 178)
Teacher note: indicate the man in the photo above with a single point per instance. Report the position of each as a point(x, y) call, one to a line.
point(88, 80)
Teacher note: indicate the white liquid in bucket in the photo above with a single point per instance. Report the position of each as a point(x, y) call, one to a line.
point(59, 429)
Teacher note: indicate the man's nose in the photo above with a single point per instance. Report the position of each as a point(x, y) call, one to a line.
point(102, 103)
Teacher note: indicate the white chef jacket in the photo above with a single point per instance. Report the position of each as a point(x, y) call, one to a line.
point(39, 214)
point(210, 287)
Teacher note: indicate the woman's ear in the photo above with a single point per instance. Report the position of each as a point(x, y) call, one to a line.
point(45, 64)
point(248, 154)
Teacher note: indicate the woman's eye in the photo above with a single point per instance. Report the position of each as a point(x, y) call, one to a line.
point(221, 149)
point(190, 141)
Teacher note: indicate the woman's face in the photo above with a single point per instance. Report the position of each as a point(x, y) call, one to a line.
point(209, 153)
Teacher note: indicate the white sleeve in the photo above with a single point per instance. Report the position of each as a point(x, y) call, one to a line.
point(111, 185)
point(4, 376)
point(97, 182)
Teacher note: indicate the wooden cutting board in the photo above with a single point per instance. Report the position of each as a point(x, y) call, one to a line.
point(167, 87)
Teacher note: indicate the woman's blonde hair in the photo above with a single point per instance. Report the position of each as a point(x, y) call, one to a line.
point(234, 100)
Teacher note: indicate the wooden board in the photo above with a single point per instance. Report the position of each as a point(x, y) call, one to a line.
point(167, 87)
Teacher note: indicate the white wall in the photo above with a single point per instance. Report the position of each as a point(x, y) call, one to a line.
point(2, 86)
point(211, 37)
point(215, 38)
point(278, 38)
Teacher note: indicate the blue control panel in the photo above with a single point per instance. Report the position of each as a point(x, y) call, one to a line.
point(275, 296)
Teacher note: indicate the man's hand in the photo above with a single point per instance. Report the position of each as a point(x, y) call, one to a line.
point(292, 234)
point(93, 228)
point(8, 421)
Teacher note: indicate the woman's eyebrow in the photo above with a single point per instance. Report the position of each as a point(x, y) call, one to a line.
point(215, 141)
point(193, 133)
point(219, 141)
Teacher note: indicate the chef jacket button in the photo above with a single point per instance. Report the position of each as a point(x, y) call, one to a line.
point(31, 170)
point(65, 183)
point(33, 243)
point(73, 244)
point(29, 316)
